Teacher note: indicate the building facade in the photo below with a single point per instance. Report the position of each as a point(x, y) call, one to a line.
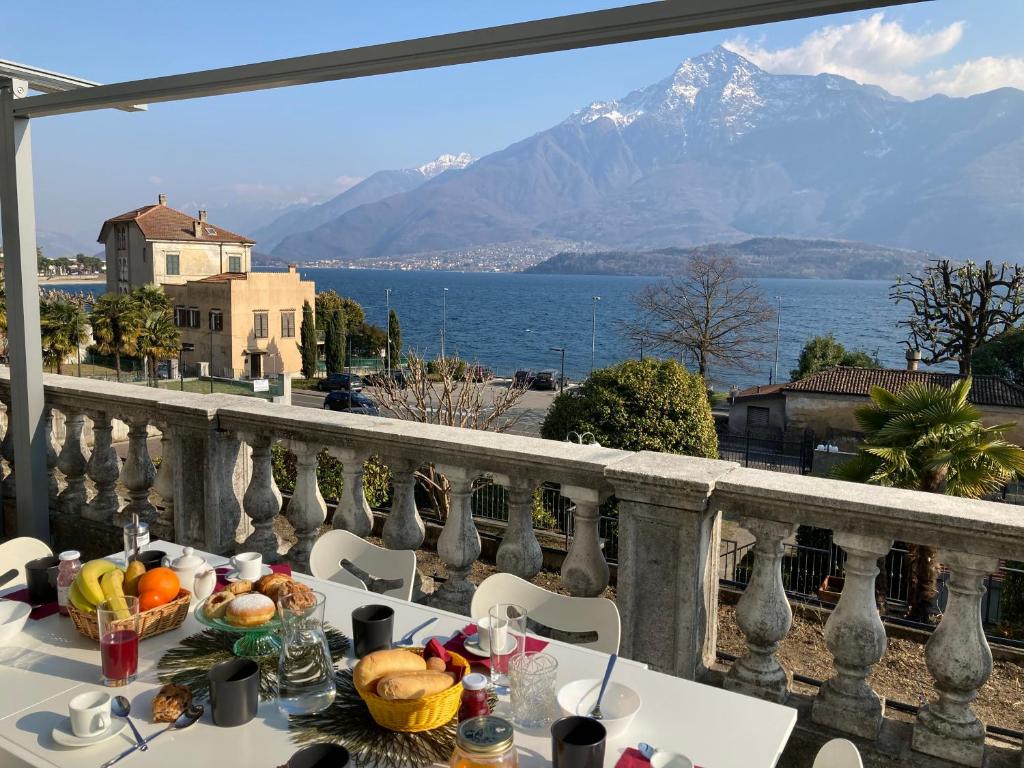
point(245, 324)
point(158, 244)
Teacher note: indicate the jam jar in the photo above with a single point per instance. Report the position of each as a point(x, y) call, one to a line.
point(484, 742)
point(474, 697)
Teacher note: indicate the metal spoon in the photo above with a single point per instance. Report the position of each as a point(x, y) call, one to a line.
point(406, 639)
point(185, 719)
point(596, 711)
point(121, 707)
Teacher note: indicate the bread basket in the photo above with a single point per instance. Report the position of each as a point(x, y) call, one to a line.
point(163, 618)
point(414, 715)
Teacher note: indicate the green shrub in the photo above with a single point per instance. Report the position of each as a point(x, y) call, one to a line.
point(376, 476)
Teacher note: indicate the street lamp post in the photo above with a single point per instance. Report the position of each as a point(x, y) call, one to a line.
point(593, 333)
point(778, 334)
point(387, 354)
point(561, 380)
point(444, 317)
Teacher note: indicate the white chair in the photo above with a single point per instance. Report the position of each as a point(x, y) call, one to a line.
point(387, 564)
point(838, 753)
point(15, 553)
point(559, 612)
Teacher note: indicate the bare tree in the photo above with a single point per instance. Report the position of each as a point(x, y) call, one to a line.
point(958, 307)
point(708, 315)
point(447, 395)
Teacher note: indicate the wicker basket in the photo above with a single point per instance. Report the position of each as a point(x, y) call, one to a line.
point(163, 618)
point(415, 715)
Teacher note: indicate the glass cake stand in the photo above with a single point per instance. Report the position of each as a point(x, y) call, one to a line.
point(253, 642)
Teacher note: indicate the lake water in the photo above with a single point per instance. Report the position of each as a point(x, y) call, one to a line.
point(507, 321)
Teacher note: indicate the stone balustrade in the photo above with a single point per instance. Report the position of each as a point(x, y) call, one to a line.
point(215, 489)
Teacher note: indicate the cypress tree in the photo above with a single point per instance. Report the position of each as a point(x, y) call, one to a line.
point(307, 335)
point(395, 338)
point(334, 341)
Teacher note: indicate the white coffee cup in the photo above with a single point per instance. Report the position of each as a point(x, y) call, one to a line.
point(248, 565)
point(90, 713)
point(488, 635)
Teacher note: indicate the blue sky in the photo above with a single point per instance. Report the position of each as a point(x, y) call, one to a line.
point(246, 154)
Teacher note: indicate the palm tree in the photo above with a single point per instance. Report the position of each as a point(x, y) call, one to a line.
point(115, 323)
point(930, 438)
point(62, 325)
point(158, 337)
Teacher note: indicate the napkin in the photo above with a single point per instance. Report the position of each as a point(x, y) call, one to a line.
point(224, 570)
point(38, 611)
point(458, 644)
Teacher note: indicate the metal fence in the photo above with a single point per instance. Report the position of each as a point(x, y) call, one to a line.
point(775, 454)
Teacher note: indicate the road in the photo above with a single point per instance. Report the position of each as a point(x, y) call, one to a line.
point(529, 411)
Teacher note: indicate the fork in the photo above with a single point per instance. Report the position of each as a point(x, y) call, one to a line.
point(406, 639)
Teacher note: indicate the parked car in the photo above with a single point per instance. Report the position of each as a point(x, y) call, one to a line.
point(380, 379)
point(333, 381)
point(523, 378)
point(546, 379)
point(481, 374)
point(350, 402)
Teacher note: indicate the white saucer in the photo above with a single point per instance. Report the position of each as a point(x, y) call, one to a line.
point(64, 736)
point(233, 576)
point(472, 645)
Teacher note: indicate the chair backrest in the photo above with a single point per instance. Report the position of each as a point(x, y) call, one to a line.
point(337, 545)
point(559, 612)
point(15, 553)
point(838, 753)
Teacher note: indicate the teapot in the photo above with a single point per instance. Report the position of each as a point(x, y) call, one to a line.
point(194, 573)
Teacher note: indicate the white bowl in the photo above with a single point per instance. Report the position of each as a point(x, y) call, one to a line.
point(13, 616)
point(618, 707)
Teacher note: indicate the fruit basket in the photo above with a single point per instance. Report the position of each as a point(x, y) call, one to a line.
point(155, 621)
point(415, 715)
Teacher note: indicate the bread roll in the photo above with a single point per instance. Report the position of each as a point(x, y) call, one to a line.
point(414, 685)
point(436, 664)
point(378, 664)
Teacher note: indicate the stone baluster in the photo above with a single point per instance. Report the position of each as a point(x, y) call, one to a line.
point(960, 661)
point(262, 499)
point(306, 510)
point(764, 615)
point(352, 513)
point(72, 462)
point(51, 460)
point(138, 474)
point(104, 468)
point(519, 552)
point(856, 637)
point(7, 451)
point(459, 543)
point(584, 570)
point(164, 483)
point(404, 528)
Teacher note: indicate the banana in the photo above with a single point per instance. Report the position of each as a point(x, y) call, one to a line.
point(112, 584)
point(88, 580)
point(75, 596)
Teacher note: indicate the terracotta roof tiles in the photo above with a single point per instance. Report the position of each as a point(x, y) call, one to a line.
point(159, 222)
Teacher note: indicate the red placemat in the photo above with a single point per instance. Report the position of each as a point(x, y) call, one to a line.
point(458, 644)
point(38, 611)
point(632, 758)
point(224, 570)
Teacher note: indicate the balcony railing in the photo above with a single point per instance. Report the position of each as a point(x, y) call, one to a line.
point(215, 489)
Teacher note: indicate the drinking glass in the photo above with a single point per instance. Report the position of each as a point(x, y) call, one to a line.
point(533, 678)
point(305, 670)
point(118, 621)
point(507, 622)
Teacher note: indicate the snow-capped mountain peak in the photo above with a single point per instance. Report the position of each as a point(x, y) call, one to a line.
point(444, 163)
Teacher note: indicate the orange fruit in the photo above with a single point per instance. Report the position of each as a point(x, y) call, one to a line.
point(151, 599)
point(162, 581)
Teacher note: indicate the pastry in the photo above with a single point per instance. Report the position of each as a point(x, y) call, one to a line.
point(239, 587)
point(170, 702)
point(379, 664)
point(217, 604)
point(249, 610)
point(414, 685)
point(296, 596)
point(270, 585)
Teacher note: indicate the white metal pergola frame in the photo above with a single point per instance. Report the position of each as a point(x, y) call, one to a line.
point(63, 94)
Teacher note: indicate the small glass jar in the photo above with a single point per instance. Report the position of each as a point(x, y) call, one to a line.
point(67, 570)
point(484, 742)
point(136, 539)
point(474, 697)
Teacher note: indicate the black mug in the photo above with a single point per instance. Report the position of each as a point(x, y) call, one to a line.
point(41, 576)
point(371, 628)
point(320, 756)
point(234, 692)
point(151, 559)
point(577, 742)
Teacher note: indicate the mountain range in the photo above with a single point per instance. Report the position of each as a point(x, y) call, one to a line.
point(719, 151)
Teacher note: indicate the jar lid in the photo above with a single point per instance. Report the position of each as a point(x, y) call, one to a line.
point(486, 735)
point(474, 682)
point(74, 554)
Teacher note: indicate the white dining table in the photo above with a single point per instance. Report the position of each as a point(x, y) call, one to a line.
point(50, 662)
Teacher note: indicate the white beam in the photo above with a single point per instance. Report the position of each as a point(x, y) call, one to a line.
point(46, 81)
point(18, 221)
point(583, 30)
